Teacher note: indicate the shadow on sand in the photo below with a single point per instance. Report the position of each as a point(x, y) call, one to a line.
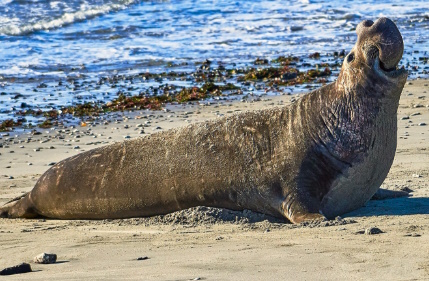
point(393, 207)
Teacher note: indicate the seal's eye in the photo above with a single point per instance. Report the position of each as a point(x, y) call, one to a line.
point(350, 57)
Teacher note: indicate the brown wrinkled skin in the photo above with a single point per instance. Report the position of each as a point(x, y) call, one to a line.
point(322, 156)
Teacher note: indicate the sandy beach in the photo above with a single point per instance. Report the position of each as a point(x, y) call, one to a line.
point(210, 244)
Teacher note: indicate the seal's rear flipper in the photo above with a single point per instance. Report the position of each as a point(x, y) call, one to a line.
point(19, 207)
point(16, 198)
point(4, 210)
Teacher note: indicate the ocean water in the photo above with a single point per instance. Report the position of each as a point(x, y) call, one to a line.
point(44, 42)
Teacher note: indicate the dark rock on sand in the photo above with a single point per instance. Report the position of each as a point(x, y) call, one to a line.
point(17, 269)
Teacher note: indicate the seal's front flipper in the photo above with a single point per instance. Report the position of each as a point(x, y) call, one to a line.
point(308, 217)
point(298, 211)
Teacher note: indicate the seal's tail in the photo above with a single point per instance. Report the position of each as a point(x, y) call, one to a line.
point(18, 208)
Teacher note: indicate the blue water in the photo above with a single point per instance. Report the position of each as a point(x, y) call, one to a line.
point(45, 41)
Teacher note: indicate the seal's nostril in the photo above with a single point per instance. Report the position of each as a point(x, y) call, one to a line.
point(367, 23)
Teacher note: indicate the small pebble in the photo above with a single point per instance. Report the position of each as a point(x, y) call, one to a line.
point(45, 258)
point(51, 163)
point(422, 124)
point(416, 176)
point(413, 235)
point(372, 231)
point(142, 258)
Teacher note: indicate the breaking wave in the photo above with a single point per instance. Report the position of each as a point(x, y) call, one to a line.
point(65, 19)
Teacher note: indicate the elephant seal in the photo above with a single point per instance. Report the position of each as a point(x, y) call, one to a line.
point(322, 156)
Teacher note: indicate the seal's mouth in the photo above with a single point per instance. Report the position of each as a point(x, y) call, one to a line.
point(373, 56)
point(393, 72)
point(385, 69)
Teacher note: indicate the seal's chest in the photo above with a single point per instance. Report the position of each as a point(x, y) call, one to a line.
point(358, 183)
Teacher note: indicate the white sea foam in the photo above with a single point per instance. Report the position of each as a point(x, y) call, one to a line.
point(7, 20)
point(16, 70)
point(84, 13)
point(106, 53)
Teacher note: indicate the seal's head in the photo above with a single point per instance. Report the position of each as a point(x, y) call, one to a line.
point(376, 54)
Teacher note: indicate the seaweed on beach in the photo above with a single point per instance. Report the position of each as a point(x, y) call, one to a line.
point(6, 124)
point(46, 124)
point(85, 109)
point(263, 74)
point(315, 55)
point(136, 102)
point(156, 102)
point(283, 60)
point(214, 78)
point(126, 101)
point(208, 89)
point(286, 75)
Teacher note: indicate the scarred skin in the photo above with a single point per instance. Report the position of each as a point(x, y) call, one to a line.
point(322, 156)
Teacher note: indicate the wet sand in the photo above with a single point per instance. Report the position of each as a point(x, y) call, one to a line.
point(212, 244)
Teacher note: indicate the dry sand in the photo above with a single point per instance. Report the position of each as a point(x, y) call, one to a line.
point(214, 244)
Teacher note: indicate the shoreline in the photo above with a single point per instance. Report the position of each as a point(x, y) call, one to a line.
point(47, 103)
point(219, 250)
point(81, 98)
